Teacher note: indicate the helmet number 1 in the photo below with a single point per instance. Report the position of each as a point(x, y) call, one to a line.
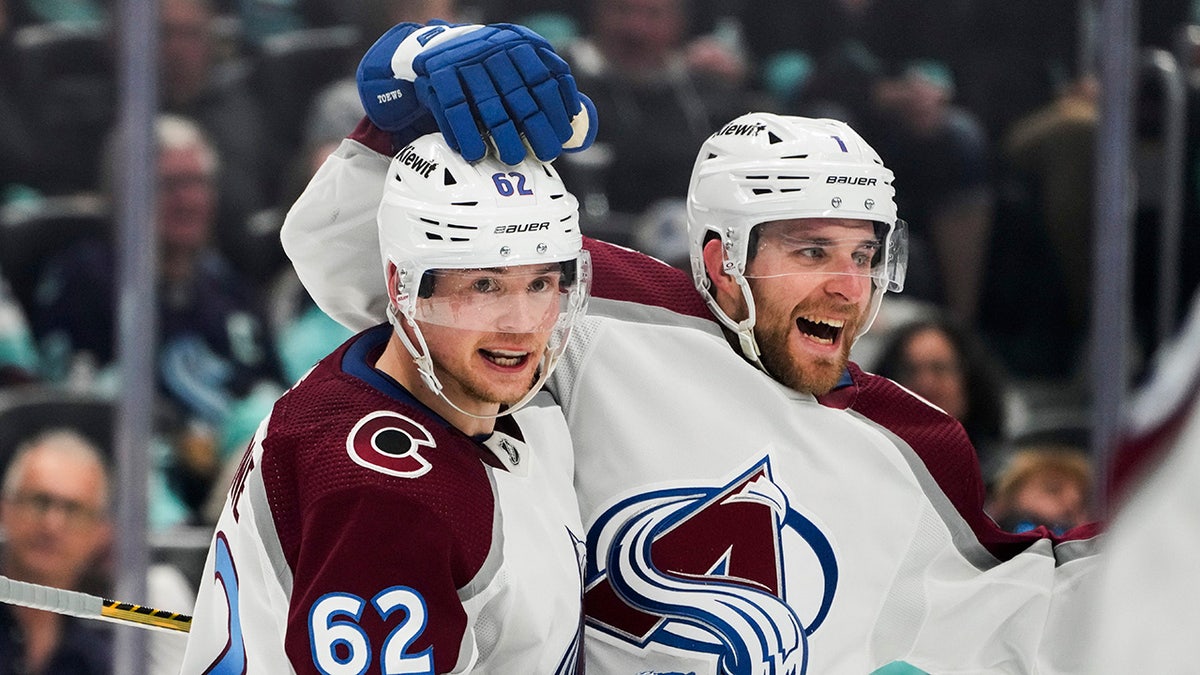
point(341, 647)
point(505, 187)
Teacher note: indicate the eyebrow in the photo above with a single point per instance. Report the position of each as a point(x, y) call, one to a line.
point(825, 241)
point(547, 268)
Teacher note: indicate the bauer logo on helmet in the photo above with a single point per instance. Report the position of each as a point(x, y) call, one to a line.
point(850, 180)
point(523, 227)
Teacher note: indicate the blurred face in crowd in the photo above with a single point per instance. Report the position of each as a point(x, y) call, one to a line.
point(811, 286)
point(932, 369)
point(187, 49)
point(638, 35)
point(186, 198)
point(55, 516)
point(1052, 496)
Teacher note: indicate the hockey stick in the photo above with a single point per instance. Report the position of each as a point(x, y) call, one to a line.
point(83, 605)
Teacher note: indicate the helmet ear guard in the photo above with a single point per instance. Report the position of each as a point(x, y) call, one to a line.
point(896, 252)
point(763, 167)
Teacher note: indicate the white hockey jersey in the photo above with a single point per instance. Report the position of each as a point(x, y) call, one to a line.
point(737, 526)
point(1148, 613)
point(363, 531)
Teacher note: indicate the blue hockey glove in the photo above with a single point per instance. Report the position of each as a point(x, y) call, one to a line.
point(389, 100)
point(500, 82)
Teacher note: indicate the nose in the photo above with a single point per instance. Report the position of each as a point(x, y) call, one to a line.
point(847, 280)
point(55, 519)
point(522, 313)
point(924, 381)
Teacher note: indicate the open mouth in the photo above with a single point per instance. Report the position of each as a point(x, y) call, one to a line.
point(822, 331)
point(505, 358)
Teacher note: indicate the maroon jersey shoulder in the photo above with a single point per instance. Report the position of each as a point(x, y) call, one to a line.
point(944, 448)
point(333, 433)
point(369, 491)
point(624, 274)
point(372, 136)
point(939, 440)
point(1139, 451)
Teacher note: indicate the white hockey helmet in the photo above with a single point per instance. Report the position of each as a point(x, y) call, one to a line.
point(763, 167)
point(440, 213)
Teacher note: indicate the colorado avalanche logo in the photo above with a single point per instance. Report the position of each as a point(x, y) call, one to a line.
point(390, 443)
point(701, 569)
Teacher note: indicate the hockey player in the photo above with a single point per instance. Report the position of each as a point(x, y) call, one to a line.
point(408, 502)
point(801, 491)
point(768, 508)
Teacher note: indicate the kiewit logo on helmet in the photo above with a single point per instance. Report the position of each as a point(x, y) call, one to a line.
point(850, 180)
point(741, 129)
point(523, 227)
point(410, 158)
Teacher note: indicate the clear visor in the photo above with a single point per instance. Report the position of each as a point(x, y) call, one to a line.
point(517, 299)
point(785, 250)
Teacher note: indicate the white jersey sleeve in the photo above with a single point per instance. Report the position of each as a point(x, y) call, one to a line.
point(331, 237)
point(236, 619)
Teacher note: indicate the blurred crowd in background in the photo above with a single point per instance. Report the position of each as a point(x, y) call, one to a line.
point(986, 110)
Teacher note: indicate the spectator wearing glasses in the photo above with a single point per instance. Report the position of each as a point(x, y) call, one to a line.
point(54, 512)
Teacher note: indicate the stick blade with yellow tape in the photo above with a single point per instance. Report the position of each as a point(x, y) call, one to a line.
point(147, 617)
point(85, 606)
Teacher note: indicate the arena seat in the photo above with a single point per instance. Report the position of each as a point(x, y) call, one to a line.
point(67, 81)
point(294, 66)
point(31, 233)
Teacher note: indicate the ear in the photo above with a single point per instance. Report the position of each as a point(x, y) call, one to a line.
point(393, 283)
point(393, 293)
point(724, 290)
point(714, 263)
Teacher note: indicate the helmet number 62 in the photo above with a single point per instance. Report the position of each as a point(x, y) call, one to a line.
point(505, 187)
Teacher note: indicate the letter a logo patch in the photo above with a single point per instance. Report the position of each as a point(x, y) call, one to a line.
point(390, 443)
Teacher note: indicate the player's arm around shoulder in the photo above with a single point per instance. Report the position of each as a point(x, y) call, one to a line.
point(330, 235)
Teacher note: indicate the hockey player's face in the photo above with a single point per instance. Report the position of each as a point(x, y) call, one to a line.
point(812, 286)
point(502, 320)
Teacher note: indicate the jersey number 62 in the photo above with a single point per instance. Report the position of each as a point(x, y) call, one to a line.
point(341, 647)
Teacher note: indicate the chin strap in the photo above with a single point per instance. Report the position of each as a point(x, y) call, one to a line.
point(420, 356)
point(744, 329)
